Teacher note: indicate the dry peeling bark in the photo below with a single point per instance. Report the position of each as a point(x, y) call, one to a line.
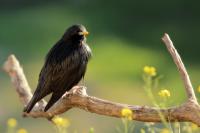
point(77, 97)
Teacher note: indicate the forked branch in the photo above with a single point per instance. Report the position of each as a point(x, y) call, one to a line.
point(77, 97)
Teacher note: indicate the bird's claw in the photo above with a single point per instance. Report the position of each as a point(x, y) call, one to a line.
point(79, 90)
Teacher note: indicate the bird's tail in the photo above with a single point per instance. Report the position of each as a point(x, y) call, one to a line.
point(54, 98)
point(30, 105)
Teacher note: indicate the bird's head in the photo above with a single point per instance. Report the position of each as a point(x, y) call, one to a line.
point(76, 33)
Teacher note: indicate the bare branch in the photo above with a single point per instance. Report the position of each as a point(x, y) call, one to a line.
point(181, 68)
point(18, 79)
point(78, 97)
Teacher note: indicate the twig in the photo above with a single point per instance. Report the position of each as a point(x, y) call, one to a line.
point(181, 68)
point(78, 97)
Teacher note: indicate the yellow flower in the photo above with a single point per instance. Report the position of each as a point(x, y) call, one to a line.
point(194, 127)
point(22, 130)
point(127, 113)
point(165, 130)
point(91, 130)
point(142, 130)
point(149, 70)
point(62, 122)
point(198, 89)
point(164, 93)
point(12, 122)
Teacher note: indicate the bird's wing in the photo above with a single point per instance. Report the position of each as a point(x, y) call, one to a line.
point(68, 80)
point(53, 68)
point(61, 75)
point(49, 74)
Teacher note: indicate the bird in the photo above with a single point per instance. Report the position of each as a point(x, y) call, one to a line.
point(65, 65)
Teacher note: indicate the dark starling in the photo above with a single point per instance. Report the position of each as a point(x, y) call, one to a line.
point(64, 67)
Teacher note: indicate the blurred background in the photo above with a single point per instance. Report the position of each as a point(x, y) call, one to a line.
point(124, 37)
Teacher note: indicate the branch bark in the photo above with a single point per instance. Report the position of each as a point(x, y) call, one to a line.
point(77, 97)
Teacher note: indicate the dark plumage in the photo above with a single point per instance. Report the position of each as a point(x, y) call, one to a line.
point(64, 67)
